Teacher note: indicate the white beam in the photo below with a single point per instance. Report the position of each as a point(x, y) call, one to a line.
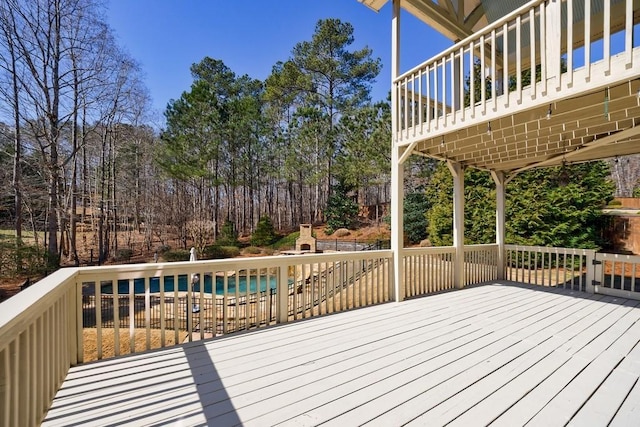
point(498, 179)
point(397, 168)
point(458, 222)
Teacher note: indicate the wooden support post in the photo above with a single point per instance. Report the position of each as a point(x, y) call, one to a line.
point(458, 222)
point(397, 168)
point(282, 294)
point(498, 178)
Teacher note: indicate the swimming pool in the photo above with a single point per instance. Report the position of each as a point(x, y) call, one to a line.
point(183, 285)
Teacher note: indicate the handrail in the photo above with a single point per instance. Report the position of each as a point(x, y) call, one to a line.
point(486, 30)
point(38, 345)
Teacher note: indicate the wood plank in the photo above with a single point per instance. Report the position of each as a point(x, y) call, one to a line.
point(430, 397)
point(543, 389)
point(443, 404)
point(444, 340)
point(435, 365)
point(570, 399)
point(457, 356)
point(629, 412)
point(174, 370)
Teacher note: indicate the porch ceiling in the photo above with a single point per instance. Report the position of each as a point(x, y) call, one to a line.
point(456, 19)
point(587, 127)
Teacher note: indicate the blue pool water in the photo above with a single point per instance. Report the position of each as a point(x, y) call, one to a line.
point(183, 285)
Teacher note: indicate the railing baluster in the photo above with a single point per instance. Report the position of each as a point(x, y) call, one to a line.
point(420, 97)
point(543, 48)
point(225, 303)
point(132, 317)
point(494, 66)
point(461, 83)
point(483, 77)
point(519, 59)
point(628, 31)
point(116, 315)
point(587, 39)
point(147, 311)
point(435, 95)
point(445, 115)
point(201, 307)
point(413, 104)
point(454, 110)
point(428, 96)
point(570, 41)
point(532, 52)
point(236, 316)
point(606, 47)
point(406, 109)
point(176, 310)
point(163, 326)
point(472, 82)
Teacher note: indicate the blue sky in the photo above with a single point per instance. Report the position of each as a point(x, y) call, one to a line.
point(250, 36)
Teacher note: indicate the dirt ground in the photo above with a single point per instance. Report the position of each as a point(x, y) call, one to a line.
point(90, 342)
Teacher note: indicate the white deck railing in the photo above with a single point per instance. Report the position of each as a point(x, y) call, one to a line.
point(46, 328)
point(547, 266)
point(442, 94)
point(193, 300)
point(428, 270)
point(618, 275)
point(108, 311)
point(38, 344)
point(480, 263)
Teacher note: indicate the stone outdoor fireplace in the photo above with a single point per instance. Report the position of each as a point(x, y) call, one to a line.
point(306, 242)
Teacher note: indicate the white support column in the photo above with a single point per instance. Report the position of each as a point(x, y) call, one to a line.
point(397, 168)
point(498, 178)
point(458, 222)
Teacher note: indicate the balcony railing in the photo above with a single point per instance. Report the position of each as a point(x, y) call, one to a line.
point(516, 63)
point(46, 328)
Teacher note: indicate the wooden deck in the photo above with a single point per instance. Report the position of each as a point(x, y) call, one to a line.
point(502, 353)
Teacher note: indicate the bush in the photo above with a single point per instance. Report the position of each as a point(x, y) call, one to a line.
point(416, 207)
point(342, 210)
point(176, 255)
point(163, 249)
point(252, 250)
point(268, 251)
point(265, 233)
point(614, 204)
point(25, 260)
point(228, 235)
point(220, 252)
point(287, 242)
point(124, 254)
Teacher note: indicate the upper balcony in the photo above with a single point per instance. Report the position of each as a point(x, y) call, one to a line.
point(537, 87)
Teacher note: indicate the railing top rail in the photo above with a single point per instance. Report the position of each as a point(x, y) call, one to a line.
point(480, 246)
point(550, 249)
point(17, 312)
point(188, 267)
point(486, 30)
point(619, 257)
point(431, 249)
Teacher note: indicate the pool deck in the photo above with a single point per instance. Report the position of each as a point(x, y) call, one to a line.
point(499, 353)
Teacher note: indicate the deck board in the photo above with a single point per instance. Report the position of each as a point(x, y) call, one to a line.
point(500, 352)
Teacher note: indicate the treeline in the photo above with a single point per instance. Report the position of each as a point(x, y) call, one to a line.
point(74, 105)
point(244, 148)
point(82, 160)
